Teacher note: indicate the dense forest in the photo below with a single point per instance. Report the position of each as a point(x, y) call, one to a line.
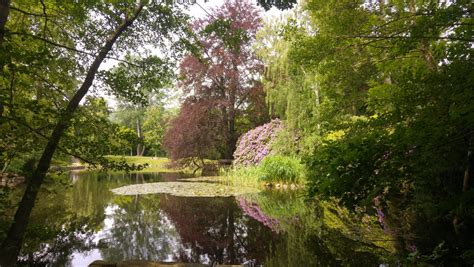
point(367, 104)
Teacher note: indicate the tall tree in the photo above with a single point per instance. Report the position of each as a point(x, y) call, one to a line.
point(228, 71)
point(68, 40)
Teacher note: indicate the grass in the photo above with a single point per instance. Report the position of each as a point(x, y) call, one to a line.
point(247, 177)
point(155, 164)
point(273, 169)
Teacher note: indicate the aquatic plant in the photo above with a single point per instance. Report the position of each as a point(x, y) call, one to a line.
point(184, 189)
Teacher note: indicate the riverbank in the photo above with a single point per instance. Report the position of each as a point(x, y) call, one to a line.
point(155, 164)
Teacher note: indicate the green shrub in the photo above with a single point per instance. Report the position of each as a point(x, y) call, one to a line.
point(278, 168)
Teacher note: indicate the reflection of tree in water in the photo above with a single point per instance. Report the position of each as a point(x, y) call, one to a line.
point(313, 235)
point(139, 231)
point(55, 229)
point(65, 219)
point(214, 230)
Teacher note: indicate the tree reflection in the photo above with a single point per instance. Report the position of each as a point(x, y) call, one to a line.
point(318, 235)
point(66, 217)
point(55, 229)
point(139, 230)
point(214, 230)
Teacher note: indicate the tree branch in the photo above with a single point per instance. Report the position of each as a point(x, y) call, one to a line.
point(25, 12)
point(69, 48)
point(4, 12)
point(403, 37)
point(45, 18)
point(40, 134)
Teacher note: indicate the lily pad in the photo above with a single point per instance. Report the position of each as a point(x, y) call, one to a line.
point(184, 189)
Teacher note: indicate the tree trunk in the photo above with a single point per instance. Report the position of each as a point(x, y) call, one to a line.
point(231, 135)
point(140, 146)
point(4, 12)
point(468, 170)
point(231, 131)
point(11, 246)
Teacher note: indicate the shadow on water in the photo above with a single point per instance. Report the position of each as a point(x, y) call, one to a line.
point(73, 225)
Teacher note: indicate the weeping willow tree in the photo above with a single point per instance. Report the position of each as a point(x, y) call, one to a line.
point(293, 93)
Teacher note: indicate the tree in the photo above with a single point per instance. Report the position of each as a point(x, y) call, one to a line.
point(145, 78)
point(154, 124)
point(195, 133)
point(131, 117)
point(70, 41)
point(292, 92)
point(227, 73)
point(280, 4)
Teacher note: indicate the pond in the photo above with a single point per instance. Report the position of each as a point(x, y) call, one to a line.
point(78, 220)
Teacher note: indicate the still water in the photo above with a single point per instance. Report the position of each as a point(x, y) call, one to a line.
point(78, 220)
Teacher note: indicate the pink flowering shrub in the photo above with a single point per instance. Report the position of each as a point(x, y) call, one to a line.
point(254, 145)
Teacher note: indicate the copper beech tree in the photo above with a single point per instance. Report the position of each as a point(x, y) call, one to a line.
point(222, 81)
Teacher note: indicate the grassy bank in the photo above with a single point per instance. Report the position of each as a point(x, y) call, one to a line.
point(155, 164)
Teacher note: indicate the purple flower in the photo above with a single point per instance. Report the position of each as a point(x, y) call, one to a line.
point(253, 146)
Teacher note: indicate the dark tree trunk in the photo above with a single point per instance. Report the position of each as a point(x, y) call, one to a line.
point(11, 246)
point(4, 12)
point(468, 170)
point(231, 130)
point(230, 235)
point(231, 134)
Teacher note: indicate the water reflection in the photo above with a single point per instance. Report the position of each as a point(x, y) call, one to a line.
point(215, 230)
point(72, 225)
point(138, 229)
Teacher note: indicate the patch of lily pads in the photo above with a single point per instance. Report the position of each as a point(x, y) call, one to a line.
point(185, 189)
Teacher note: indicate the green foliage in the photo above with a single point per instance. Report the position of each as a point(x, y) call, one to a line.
point(285, 143)
point(154, 123)
point(47, 50)
point(231, 38)
point(276, 168)
point(379, 95)
point(150, 121)
point(139, 79)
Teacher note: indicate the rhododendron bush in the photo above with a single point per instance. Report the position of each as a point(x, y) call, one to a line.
point(254, 145)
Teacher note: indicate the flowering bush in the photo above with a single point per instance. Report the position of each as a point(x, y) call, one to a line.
point(254, 145)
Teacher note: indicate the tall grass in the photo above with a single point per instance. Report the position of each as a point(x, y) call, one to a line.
point(245, 176)
point(283, 169)
point(273, 169)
